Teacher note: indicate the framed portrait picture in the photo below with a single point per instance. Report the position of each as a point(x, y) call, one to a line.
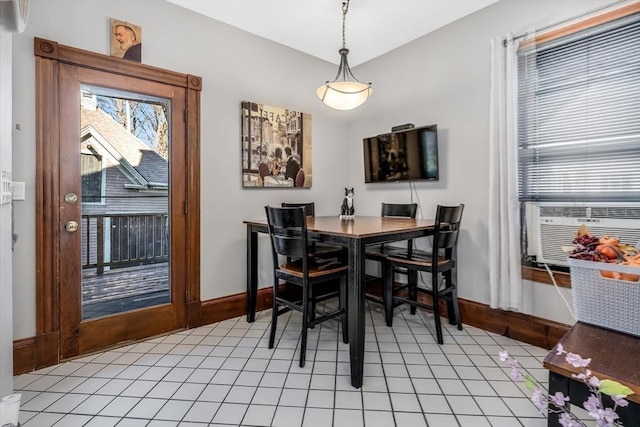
point(126, 40)
point(276, 147)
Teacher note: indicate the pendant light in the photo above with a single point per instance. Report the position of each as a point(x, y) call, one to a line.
point(345, 92)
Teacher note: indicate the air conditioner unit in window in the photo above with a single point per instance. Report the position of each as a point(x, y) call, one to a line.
point(553, 225)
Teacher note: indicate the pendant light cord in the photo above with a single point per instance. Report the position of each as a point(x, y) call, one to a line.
point(345, 9)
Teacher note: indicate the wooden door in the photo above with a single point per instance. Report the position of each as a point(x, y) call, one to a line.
point(97, 181)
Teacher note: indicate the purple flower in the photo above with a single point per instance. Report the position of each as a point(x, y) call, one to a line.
point(503, 355)
point(592, 404)
point(605, 417)
point(586, 377)
point(566, 421)
point(558, 399)
point(560, 349)
point(577, 361)
point(609, 415)
point(538, 399)
point(593, 381)
point(597, 415)
point(515, 373)
point(620, 400)
point(582, 377)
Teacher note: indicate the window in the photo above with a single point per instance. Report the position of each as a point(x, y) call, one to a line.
point(579, 112)
point(91, 178)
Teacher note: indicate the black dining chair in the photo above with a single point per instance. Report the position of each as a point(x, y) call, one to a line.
point(309, 207)
point(441, 262)
point(319, 249)
point(380, 252)
point(289, 240)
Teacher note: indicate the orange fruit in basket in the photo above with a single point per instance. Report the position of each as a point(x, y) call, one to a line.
point(607, 250)
point(608, 274)
point(628, 276)
point(609, 240)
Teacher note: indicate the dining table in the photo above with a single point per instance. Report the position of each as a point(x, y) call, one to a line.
point(355, 234)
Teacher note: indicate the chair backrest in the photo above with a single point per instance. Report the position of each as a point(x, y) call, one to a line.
point(309, 208)
point(407, 210)
point(400, 210)
point(299, 181)
point(447, 228)
point(288, 232)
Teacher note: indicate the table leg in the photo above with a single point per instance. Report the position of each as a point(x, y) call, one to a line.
point(557, 383)
point(252, 273)
point(356, 310)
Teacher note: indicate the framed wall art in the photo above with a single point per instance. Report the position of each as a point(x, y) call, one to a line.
point(276, 147)
point(126, 40)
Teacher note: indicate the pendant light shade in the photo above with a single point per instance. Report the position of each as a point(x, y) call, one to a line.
point(345, 92)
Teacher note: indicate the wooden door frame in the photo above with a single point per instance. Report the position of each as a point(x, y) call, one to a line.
point(48, 56)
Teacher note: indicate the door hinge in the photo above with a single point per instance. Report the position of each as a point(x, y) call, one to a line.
point(186, 296)
point(186, 116)
point(186, 207)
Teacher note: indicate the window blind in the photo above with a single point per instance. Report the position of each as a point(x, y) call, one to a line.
point(579, 116)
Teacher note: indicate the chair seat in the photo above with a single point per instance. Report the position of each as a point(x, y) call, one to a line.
point(316, 269)
point(418, 260)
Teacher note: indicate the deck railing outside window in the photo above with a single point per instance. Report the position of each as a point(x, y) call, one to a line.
point(123, 240)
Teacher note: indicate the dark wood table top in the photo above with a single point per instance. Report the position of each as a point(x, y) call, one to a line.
point(614, 355)
point(361, 226)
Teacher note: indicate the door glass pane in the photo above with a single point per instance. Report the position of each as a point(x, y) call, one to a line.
point(124, 152)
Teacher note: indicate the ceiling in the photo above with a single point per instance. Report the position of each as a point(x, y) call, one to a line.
point(373, 27)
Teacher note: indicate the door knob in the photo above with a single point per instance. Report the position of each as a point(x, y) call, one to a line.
point(71, 226)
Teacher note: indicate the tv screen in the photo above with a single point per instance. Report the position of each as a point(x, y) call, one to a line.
point(402, 156)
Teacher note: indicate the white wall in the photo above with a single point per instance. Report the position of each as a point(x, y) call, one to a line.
point(6, 309)
point(234, 66)
point(441, 78)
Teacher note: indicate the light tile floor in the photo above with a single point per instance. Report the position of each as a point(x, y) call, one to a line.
point(224, 374)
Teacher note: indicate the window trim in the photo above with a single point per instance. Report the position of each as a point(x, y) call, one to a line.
point(540, 275)
point(563, 31)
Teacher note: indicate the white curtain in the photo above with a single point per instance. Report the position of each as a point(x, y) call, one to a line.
point(505, 278)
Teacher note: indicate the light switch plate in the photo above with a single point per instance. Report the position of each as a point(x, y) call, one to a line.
point(18, 191)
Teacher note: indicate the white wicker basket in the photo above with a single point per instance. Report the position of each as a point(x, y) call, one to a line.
point(609, 303)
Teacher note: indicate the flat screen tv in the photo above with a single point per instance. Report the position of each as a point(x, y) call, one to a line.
point(407, 155)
